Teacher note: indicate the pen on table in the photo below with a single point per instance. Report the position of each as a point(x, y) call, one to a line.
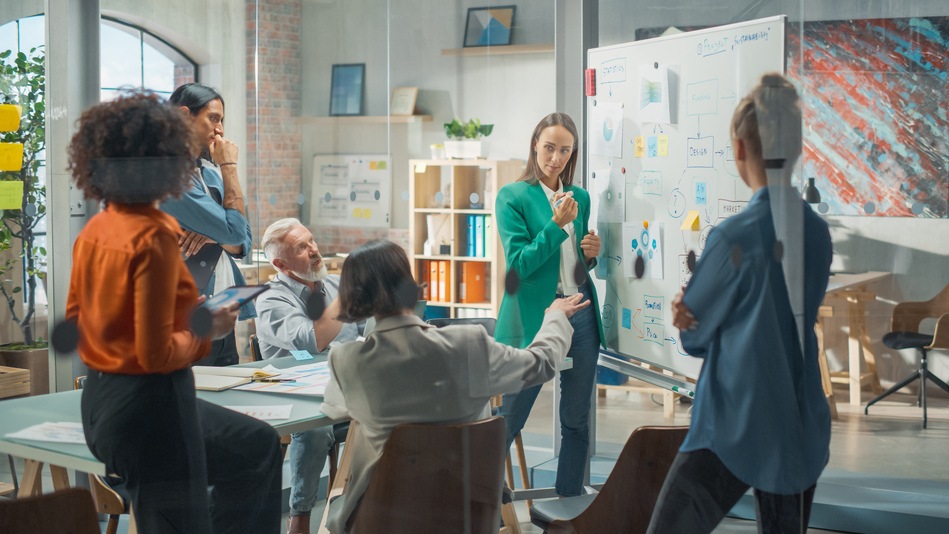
point(273, 380)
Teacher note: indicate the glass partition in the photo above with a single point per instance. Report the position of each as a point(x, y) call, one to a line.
point(872, 79)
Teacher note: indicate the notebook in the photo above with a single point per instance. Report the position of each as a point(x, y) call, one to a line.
point(210, 378)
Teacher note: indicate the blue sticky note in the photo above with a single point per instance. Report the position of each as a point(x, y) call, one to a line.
point(701, 197)
point(652, 146)
point(301, 354)
point(627, 318)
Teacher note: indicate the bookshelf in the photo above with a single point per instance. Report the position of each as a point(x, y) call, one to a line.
point(447, 199)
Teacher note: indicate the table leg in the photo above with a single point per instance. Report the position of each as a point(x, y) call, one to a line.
point(60, 477)
point(31, 484)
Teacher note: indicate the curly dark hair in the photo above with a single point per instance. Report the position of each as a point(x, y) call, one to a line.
point(376, 280)
point(135, 149)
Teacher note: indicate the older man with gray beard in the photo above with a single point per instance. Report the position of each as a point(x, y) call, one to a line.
point(283, 325)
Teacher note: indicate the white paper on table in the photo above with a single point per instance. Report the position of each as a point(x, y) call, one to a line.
point(55, 432)
point(310, 379)
point(265, 413)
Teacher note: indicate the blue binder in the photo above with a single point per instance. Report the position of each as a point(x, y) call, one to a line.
point(479, 236)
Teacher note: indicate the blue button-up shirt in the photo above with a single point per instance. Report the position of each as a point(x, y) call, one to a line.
point(759, 405)
point(283, 324)
point(201, 211)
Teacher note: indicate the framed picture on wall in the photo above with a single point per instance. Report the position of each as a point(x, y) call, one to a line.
point(347, 90)
point(489, 26)
point(403, 101)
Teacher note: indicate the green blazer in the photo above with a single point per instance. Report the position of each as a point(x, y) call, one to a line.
point(531, 241)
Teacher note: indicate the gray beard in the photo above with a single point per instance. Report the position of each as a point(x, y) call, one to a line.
point(313, 276)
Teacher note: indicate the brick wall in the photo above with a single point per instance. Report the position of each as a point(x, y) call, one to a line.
point(273, 107)
point(184, 74)
point(333, 239)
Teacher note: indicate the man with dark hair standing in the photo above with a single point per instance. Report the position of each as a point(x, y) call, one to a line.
point(211, 211)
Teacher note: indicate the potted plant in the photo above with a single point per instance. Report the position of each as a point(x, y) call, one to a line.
point(464, 138)
point(22, 83)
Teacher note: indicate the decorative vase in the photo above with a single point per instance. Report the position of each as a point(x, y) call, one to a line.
point(467, 149)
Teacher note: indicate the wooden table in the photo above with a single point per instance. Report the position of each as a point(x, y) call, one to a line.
point(853, 288)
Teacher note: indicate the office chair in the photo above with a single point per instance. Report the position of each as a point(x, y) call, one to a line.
point(108, 493)
point(905, 335)
point(626, 501)
point(255, 348)
point(489, 324)
point(68, 511)
point(436, 478)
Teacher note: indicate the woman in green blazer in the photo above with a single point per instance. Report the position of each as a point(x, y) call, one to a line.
point(543, 221)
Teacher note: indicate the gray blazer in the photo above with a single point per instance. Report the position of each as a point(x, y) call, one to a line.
point(410, 372)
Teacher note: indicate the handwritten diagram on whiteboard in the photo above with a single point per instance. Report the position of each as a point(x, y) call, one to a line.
point(661, 170)
point(351, 190)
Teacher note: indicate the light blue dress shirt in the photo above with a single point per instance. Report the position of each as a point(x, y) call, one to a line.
point(283, 325)
point(759, 405)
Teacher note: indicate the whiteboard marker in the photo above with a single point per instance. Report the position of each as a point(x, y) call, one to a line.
point(683, 391)
point(561, 199)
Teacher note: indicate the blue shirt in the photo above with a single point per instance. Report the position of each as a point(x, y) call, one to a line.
point(283, 324)
point(201, 211)
point(759, 403)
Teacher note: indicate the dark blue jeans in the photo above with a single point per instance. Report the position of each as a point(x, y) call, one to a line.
point(576, 393)
point(699, 490)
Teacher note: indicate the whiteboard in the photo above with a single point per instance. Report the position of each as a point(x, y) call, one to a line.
point(351, 190)
point(659, 157)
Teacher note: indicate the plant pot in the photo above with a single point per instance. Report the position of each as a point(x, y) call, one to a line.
point(469, 149)
point(36, 360)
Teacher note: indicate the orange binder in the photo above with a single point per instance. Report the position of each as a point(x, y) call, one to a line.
point(473, 283)
point(444, 281)
point(424, 273)
point(433, 281)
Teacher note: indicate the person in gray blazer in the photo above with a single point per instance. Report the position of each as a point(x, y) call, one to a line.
point(410, 372)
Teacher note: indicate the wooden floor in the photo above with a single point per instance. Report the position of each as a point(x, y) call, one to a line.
point(888, 442)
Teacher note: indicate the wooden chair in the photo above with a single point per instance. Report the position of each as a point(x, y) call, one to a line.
point(905, 335)
point(489, 324)
point(108, 494)
point(436, 478)
point(69, 511)
point(625, 502)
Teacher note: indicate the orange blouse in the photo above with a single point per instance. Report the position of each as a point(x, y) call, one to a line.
point(132, 294)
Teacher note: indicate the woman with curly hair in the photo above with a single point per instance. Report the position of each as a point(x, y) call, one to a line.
point(131, 295)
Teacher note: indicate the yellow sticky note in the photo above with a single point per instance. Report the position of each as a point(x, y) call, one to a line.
point(691, 221)
point(357, 213)
point(367, 213)
point(11, 156)
point(9, 118)
point(11, 195)
point(381, 165)
point(640, 146)
point(663, 148)
point(373, 165)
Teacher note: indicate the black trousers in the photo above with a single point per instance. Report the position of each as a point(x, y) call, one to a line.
point(168, 447)
point(699, 490)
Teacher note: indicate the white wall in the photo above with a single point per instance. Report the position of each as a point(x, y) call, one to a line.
point(403, 47)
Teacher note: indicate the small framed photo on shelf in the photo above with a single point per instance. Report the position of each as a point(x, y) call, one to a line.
point(347, 90)
point(489, 26)
point(403, 101)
